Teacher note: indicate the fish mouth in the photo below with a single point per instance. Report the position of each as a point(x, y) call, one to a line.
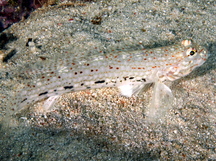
point(203, 52)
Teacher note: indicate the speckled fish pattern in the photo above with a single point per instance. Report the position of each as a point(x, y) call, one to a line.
point(129, 71)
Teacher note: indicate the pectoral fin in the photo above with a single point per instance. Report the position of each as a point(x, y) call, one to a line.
point(132, 88)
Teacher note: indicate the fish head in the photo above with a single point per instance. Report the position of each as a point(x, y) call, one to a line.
point(190, 57)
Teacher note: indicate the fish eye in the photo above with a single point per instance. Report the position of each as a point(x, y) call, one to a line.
point(192, 52)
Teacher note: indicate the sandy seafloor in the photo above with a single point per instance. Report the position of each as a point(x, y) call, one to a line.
point(100, 124)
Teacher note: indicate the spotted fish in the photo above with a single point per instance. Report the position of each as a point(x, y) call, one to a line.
point(129, 71)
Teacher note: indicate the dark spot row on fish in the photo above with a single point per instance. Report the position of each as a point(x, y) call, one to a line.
point(101, 81)
point(43, 93)
point(68, 87)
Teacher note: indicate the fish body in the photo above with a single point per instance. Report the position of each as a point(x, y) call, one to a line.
point(129, 71)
